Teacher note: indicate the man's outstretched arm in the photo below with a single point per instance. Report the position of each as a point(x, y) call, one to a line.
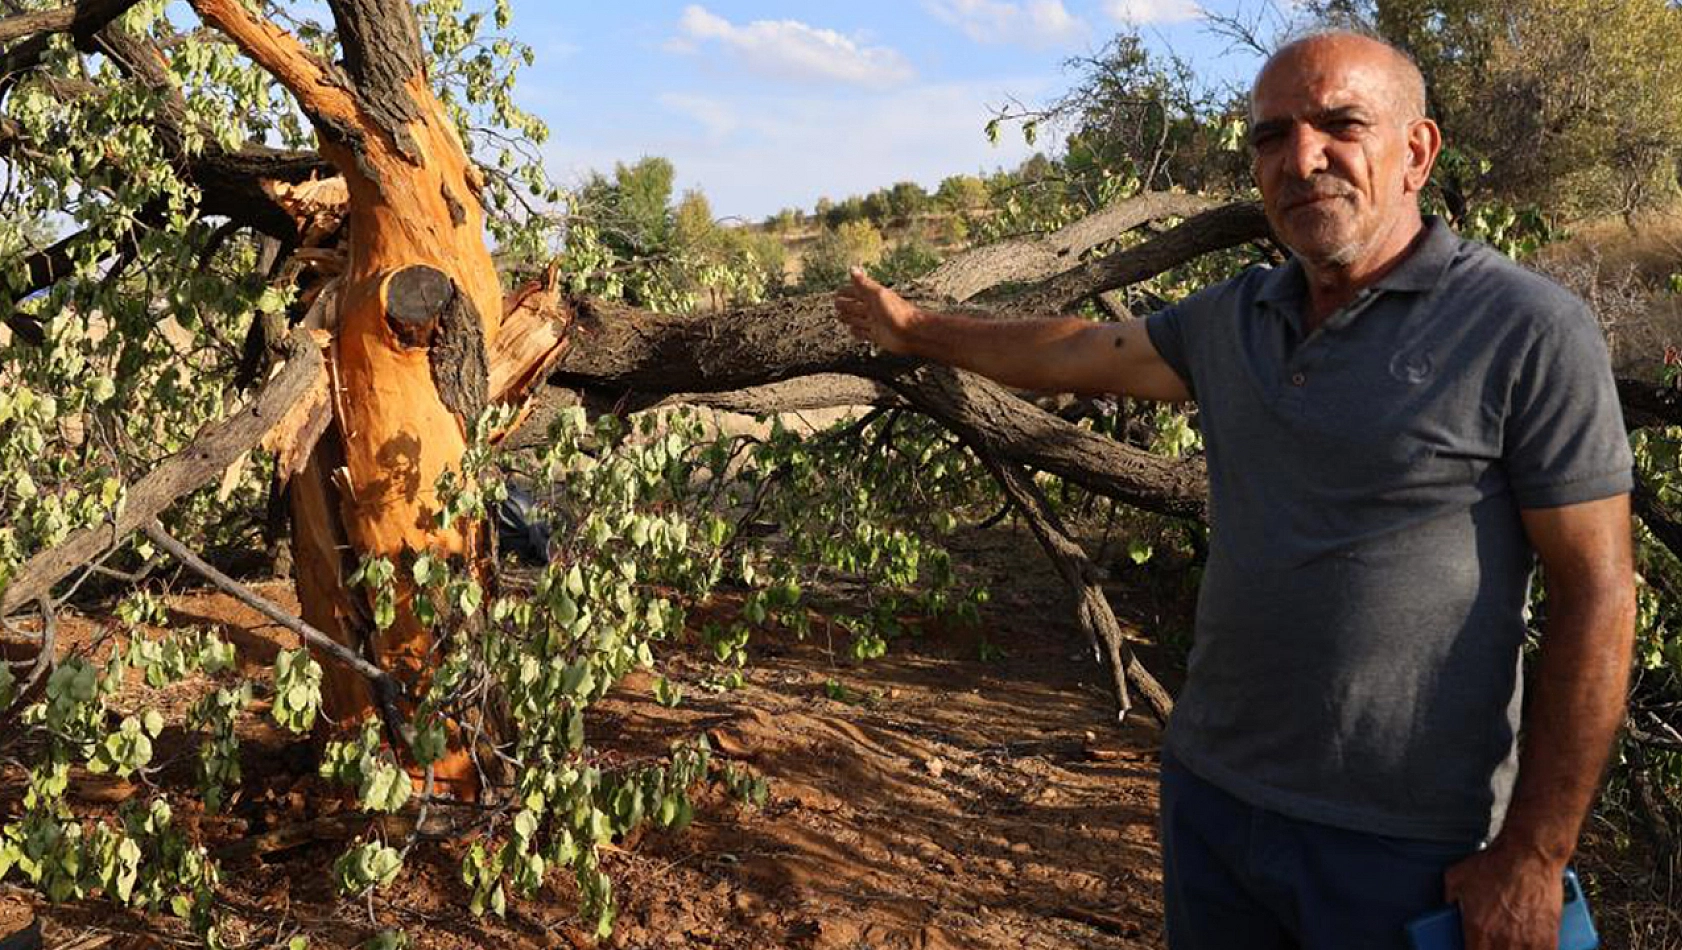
point(1059, 354)
point(1509, 894)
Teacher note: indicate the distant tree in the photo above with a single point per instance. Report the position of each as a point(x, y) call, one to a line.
point(631, 212)
point(905, 262)
point(851, 208)
point(878, 208)
point(906, 200)
point(693, 227)
point(784, 221)
point(1136, 120)
point(644, 193)
point(836, 251)
point(961, 193)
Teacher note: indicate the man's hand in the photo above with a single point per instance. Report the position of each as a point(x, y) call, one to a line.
point(1508, 900)
point(875, 314)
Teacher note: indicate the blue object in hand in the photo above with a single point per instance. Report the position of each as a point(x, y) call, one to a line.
point(1440, 929)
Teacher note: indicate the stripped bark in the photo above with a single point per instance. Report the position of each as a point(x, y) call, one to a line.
point(418, 308)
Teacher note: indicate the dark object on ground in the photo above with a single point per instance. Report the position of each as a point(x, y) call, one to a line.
point(518, 531)
point(29, 938)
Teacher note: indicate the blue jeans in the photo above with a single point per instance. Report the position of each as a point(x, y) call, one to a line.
point(1237, 877)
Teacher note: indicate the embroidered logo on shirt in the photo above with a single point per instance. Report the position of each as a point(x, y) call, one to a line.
point(1411, 368)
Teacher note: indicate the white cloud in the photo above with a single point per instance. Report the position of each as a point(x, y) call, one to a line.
point(716, 117)
point(1036, 23)
point(1141, 12)
point(792, 50)
point(754, 154)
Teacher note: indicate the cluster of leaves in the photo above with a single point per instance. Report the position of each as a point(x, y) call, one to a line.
point(1656, 690)
point(142, 859)
point(649, 520)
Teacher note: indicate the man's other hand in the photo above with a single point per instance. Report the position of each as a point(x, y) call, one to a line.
point(1508, 900)
point(875, 314)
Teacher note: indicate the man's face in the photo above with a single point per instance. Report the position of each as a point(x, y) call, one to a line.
point(1335, 153)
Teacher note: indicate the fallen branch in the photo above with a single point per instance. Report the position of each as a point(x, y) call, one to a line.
point(203, 460)
point(268, 608)
point(1042, 256)
point(998, 423)
point(1223, 227)
point(1092, 609)
point(387, 690)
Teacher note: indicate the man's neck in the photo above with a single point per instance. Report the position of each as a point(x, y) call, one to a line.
point(1332, 287)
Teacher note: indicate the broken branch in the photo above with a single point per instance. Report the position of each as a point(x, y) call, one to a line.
point(206, 457)
point(1042, 256)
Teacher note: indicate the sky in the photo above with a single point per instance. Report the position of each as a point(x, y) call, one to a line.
point(766, 105)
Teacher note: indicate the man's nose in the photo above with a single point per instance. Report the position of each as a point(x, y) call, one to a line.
point(1305, 152)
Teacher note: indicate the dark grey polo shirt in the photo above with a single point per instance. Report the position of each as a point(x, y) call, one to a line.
point(1356, 654)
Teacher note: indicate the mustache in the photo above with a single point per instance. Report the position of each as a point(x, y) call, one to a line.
point(1295, 193)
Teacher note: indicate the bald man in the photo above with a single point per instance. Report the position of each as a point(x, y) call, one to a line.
point(1398, 423)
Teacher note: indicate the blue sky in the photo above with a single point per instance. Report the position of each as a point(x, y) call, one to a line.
point(769, 105)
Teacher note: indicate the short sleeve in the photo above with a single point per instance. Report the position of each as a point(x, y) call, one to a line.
point(1564, 438)
point(1167, 331)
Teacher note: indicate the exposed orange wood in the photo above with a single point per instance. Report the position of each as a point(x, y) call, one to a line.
point(373, 490)
point(531, 341)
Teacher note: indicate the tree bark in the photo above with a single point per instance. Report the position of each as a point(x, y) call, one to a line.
point(1037, 258)
point(417, 306)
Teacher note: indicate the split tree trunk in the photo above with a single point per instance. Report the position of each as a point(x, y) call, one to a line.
point(417, 304)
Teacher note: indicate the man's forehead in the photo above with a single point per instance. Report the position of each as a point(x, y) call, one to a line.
point(1298, 83)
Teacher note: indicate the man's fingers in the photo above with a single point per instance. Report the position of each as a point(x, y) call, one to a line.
point(864, 280)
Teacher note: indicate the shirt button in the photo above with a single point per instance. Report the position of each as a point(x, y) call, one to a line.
point(1297, 379)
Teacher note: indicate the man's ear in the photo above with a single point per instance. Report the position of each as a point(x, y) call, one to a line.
point(1424, 143)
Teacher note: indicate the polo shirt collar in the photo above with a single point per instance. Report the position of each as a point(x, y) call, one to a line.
point(1420, 270)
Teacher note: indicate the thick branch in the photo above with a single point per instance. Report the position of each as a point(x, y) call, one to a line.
point(84, 18)
point(207, 456)
point(1039, 257)
point(381, 43)
point(819, 391)
point(997, 422)
point(628, 348)
point(620, 349)
point(1224, 227)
